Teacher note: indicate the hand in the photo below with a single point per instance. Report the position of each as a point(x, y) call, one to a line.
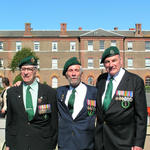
point(3, 111)
point(7, 148)
point(136, 148)
point(17, 83)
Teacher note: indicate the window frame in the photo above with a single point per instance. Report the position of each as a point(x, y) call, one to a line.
point(36, 46)
point(90, 64)
point(54, 63)
point(18, 43)
point(90, 45)
point(54, 44)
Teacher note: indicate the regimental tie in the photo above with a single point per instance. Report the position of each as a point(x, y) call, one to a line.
point(71, 101)
point(108, 94)
point(29, 106)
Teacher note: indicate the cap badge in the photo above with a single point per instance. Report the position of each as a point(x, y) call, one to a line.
point(112, 52)
point(32, 60)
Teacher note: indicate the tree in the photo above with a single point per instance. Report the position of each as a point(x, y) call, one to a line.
point(17, 78)
point(25, 52)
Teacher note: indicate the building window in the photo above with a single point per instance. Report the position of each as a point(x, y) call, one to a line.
point(54, 82)
point(101, 45)
point(54, 46)
point(113, 42)
point(147, 81)
point(1, 63)
point(54, 63)
point(38, 64)
point(90, 63)
point(90, 45)
point(90, 81)
point(72, 46)
point(18, 46)
point(1, 85)
point(1, 46)
point(36, 46)
point(147, 45)
point(147, 62)
point(130, 46)
point(101, 65)
point(130, 62)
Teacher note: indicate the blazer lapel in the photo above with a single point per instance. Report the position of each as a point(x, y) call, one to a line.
point(39, 99)
point(19, 92)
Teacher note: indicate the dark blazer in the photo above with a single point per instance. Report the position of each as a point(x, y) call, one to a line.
point(77, 134)
point(41, 132)
point(124, 124)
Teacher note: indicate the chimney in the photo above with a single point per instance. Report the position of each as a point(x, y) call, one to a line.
point(138, 31)
point(80, 28)
point(63, 29)
point(115, 28)
point(27, 29)
point(131, 29)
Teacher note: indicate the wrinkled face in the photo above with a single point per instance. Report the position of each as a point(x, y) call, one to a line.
point(113, 64)
point(28, 73)
point(73, 75)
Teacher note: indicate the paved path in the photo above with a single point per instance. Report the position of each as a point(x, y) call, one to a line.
point(2, 132)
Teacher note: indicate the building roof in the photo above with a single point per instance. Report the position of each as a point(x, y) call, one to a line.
point(40, 33)
point(102, 33)
point(73, 33)
point(132, 33)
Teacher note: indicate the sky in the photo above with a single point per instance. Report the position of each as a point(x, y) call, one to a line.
point(88, 14)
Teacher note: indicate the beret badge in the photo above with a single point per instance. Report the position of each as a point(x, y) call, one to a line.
point(32, 60)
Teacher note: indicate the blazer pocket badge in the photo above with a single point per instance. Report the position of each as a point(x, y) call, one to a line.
point(126, 97)
point(91, 107)
point(43, 109)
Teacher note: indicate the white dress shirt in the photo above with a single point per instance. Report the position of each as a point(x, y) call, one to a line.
point(117, 78)
point(80, 94)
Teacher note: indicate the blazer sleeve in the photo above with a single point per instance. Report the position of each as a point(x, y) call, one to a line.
point(54, 119)
point(140, 113)
point(10, 129)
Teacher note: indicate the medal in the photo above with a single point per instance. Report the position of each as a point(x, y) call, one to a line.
point(91, 108)
point(125, 104)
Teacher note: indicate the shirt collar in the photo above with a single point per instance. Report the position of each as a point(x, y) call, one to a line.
point(78, 88)
point(118, 75)
point(33, 85)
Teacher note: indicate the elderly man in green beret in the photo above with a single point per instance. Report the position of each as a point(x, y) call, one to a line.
point(77, 109)
point(121, 106)
point(32, 120)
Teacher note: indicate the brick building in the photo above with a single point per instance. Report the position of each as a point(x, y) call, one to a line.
point(54, 47)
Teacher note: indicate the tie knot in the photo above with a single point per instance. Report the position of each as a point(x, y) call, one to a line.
point(111, 78)
point(28, 88)
point(74, 90)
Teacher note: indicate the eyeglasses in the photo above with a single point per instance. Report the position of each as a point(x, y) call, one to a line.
point(28, 69)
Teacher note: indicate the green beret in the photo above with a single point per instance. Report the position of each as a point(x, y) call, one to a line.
point(30, 60)
point(70, 62)
point(111, 51)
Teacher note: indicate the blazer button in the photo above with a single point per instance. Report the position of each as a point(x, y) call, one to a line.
point(28, 123)
point(26, 135)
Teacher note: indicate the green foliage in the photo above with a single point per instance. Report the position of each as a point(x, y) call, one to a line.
point(44, 82)
point(147, 89)
point(1, 89)
point(17, 78)
point(25, 52)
